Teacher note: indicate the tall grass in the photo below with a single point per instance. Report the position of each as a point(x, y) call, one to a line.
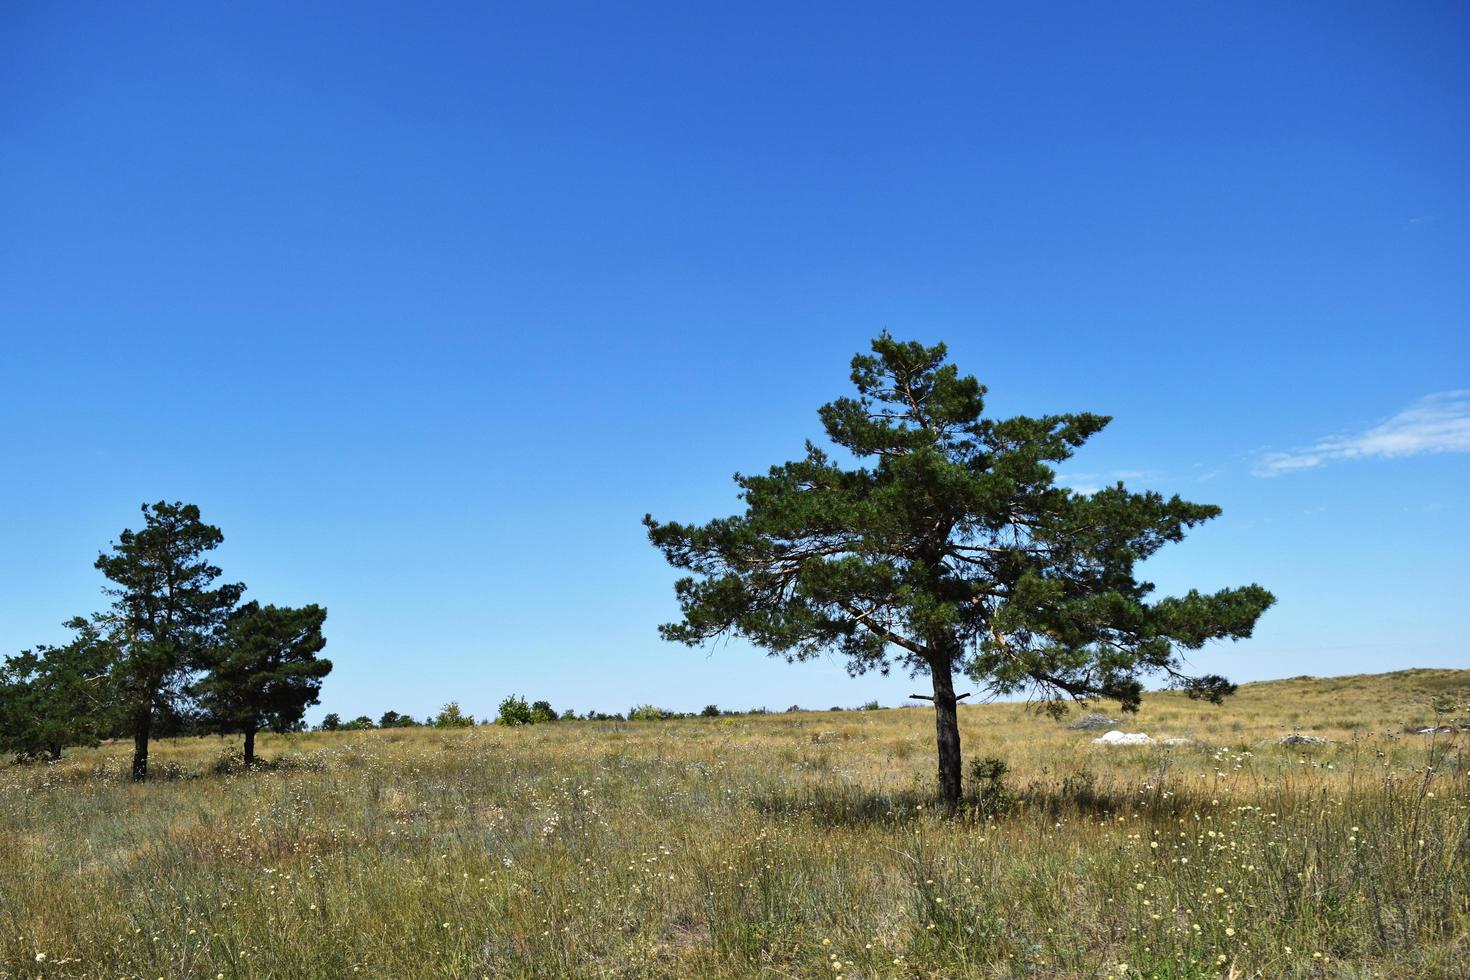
point(792, 845)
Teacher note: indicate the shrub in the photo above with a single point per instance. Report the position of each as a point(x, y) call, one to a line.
point(542, 711)
point(358, 724)
point(514, 711)
point(870, 706)
point(450, 716)
point(987, 779)
point(646, 712)
point(331, 722)
point(710, 711)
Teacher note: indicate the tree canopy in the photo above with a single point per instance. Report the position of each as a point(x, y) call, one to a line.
point(941, 542)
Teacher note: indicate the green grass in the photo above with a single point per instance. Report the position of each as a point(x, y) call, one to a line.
point(791, 845)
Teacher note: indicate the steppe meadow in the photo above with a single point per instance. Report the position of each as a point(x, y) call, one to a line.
point(453, 454)
point(785, 845)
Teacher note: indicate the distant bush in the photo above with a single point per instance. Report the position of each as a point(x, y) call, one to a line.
point(450, 716)
point(392, 719)
point(793, 708)
point(331, 723)
point(710, 711)
point(870, 706)
point(601, 716)
point(569, 715)
point(358, 724)
point(514, 711)
point(646, 712)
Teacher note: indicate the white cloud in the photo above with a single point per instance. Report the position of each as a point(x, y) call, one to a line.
point(1090, 483)
point(1436, 424)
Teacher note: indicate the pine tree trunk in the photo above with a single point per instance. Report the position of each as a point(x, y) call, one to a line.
point(947, 731)
point(142, 728)
point(249, 747)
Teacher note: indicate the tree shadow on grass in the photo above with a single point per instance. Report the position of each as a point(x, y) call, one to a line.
point(1076, 796)
point(846, 806)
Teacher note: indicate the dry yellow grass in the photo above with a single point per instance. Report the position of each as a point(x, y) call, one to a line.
point(798, 845)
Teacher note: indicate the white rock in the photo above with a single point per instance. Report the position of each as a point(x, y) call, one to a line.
point(1176, 740)
point(1122, 738)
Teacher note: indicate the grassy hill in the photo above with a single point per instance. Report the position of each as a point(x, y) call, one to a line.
point(792, 845)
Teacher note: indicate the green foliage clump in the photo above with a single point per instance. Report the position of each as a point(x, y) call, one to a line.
point(55, 697)
point(450, 716)
point(514, 711)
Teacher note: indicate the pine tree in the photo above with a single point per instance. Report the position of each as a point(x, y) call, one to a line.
point(265, 673)
point(167, 613)
point(950, 550)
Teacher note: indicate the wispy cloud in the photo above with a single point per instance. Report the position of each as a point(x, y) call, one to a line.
point(1093, 482)
point(1436, 424)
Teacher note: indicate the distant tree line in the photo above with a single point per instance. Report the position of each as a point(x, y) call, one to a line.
point(174, 652)
point(516, 711)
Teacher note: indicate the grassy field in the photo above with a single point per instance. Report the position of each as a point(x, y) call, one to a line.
point(793, 845)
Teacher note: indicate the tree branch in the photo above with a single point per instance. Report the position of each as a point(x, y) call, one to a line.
point(861, 618)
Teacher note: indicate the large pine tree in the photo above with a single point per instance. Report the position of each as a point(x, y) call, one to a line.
point(166, 614)
point(950, 549)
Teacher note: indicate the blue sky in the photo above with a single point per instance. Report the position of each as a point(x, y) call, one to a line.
point(426, 307)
